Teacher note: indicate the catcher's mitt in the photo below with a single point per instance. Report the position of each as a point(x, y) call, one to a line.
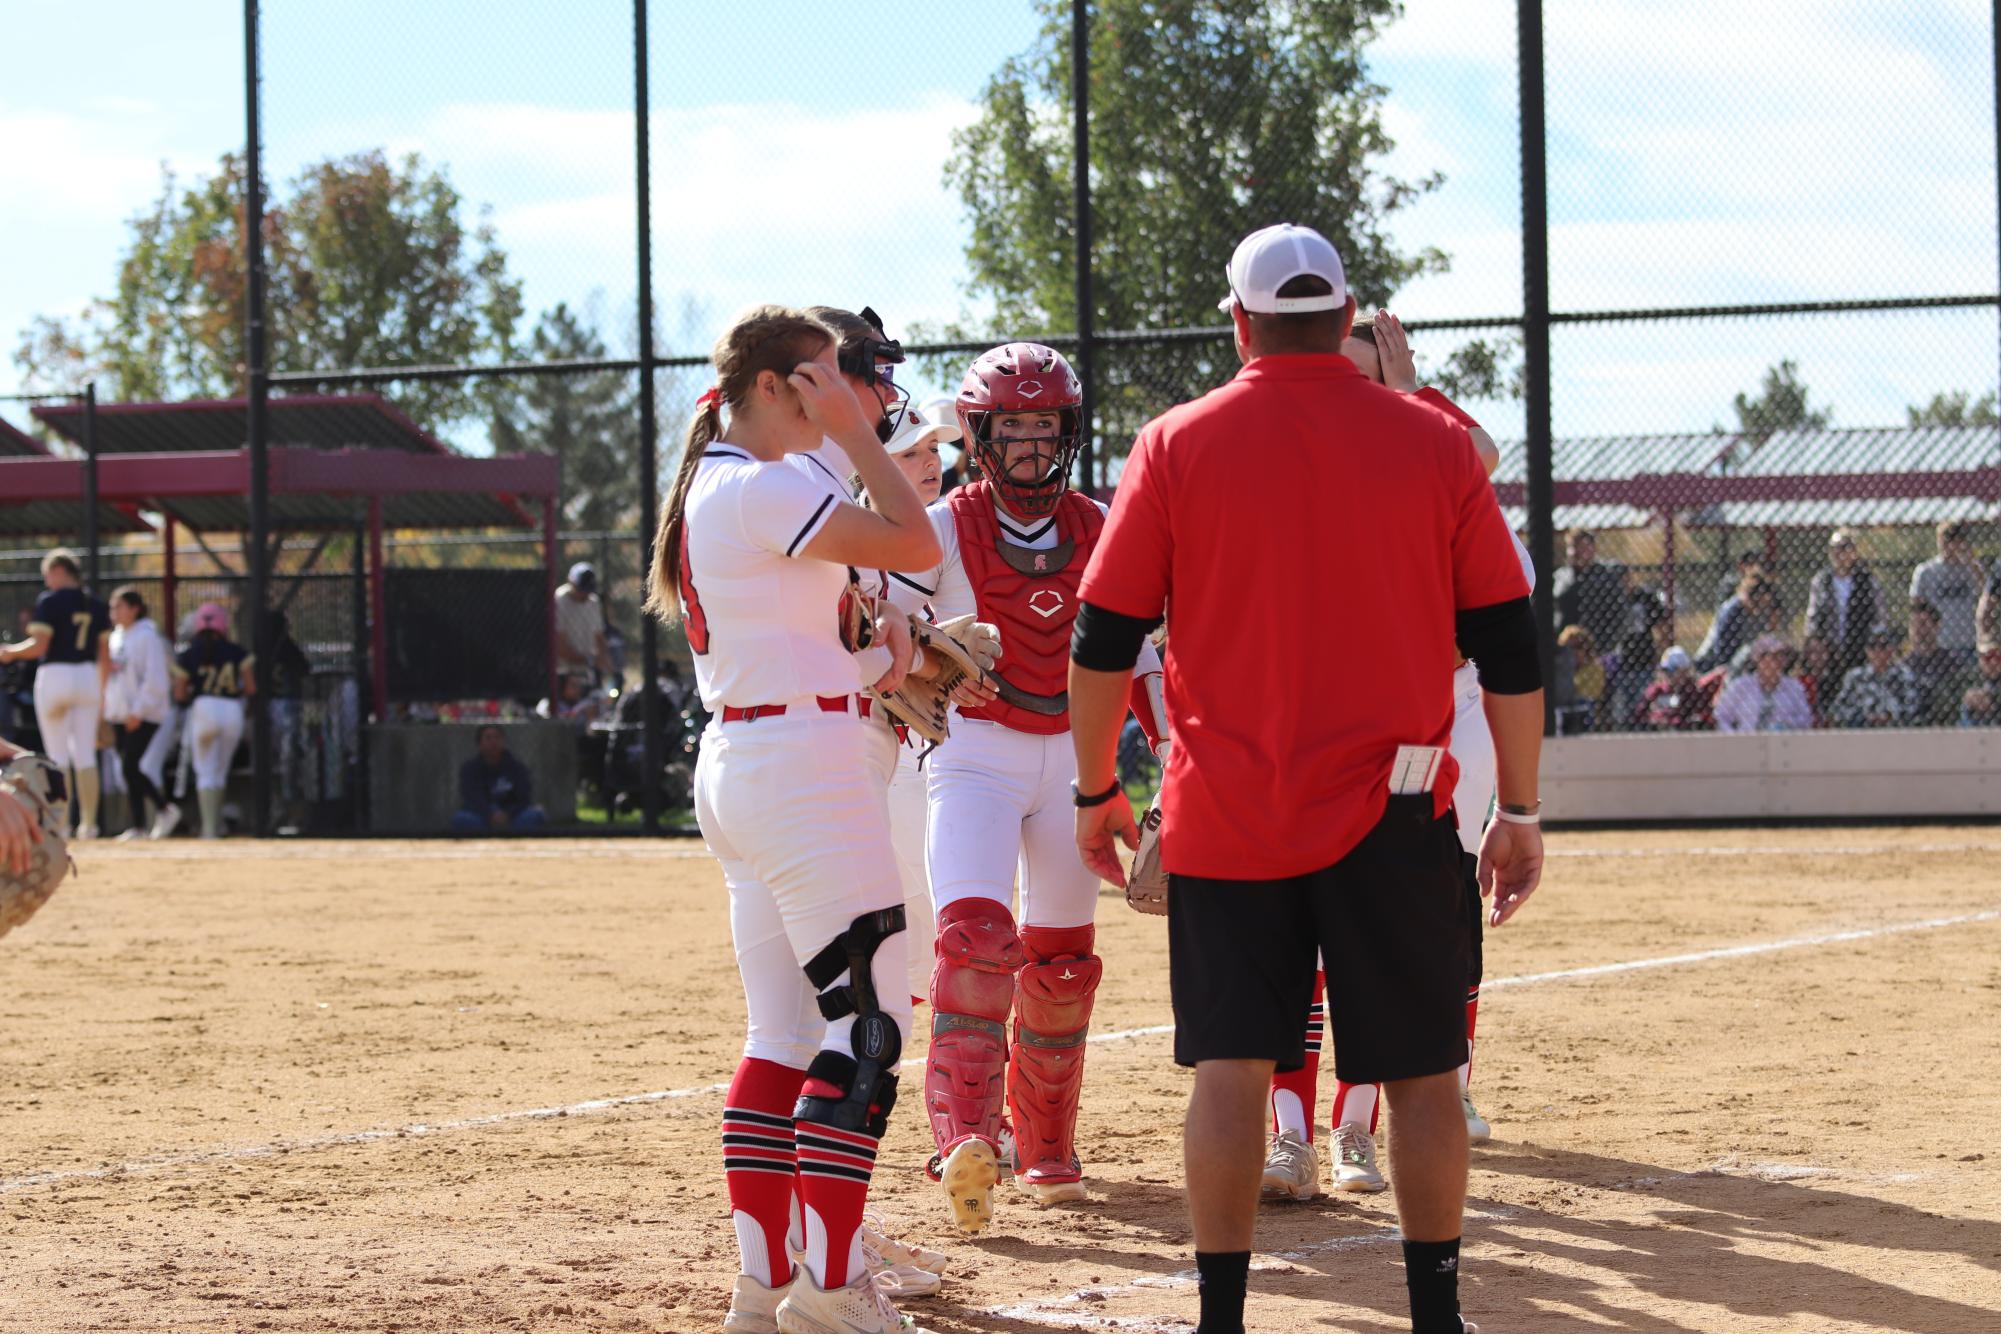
point(962, 648)
point(1146, 880)
point(32, 785)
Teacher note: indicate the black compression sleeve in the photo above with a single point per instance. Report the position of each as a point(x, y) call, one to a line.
point(1501, 642)
point(1105, 641)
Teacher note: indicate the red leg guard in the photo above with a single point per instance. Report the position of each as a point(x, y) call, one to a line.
point(972, 989)
point(1052, 1016)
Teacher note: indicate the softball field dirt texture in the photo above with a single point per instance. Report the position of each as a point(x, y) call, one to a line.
point(1739, 1080)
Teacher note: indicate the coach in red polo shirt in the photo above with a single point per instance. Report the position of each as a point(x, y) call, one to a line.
point(1323, 542)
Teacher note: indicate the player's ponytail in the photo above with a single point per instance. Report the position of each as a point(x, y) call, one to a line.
point(763, 338)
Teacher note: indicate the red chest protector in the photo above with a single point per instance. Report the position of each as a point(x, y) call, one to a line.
point(1032, 597)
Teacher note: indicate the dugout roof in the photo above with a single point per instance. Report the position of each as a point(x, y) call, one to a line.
point(51, 518)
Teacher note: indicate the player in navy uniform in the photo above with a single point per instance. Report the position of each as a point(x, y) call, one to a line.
point(216, 673)
point(69, 637)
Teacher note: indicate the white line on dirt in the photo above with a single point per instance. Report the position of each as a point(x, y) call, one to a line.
point(1781, 850)
point(240, 1152)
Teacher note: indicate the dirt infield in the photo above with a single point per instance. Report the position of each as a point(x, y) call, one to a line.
point(453, 1087)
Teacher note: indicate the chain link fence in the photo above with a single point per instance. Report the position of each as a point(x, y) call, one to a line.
point(1750, 397)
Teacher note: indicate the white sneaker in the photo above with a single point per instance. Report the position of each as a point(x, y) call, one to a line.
point(968, 1174)
point(167, 821)
point(1292, 1168)
point(859, 1308)
point(898, 1252)
point(85, 833)
point(891, 1265)
point(131, 836)
point(1355, 1160)
point(1477, 1129)
point(754, 1307)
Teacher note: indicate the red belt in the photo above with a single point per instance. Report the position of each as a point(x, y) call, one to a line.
point(827, 703)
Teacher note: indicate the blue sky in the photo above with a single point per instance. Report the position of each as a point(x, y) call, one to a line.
point(1789, 150)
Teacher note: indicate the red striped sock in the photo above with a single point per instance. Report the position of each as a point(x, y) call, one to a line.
point(834, 1171)
point(1293, 1092)
point(1472, 1014)
point(760, 1164)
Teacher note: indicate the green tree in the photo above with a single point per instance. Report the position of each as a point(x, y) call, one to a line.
point(370, 263)
point(1781, 404)
point(1956, 409)
point(588, 419)
point(1209, 118)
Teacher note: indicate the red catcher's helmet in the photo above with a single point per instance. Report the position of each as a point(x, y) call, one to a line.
point(1023, 377)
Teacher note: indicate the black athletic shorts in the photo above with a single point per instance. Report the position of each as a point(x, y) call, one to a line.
point(1391, 919)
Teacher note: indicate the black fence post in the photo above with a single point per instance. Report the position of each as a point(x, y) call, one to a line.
point(649, 632)
point(260, 462)
point(1535, 339)
point(1996, 27)
point(90, 540)
point(1080, 95)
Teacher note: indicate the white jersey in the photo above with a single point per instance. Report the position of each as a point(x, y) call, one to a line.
point(763, 621)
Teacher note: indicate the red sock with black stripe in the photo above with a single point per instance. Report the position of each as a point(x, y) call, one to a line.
point(1472, 1014)
point(1293, 1092)
point(835, 1167)
point(760, 1164)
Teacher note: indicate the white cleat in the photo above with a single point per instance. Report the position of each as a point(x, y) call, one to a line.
point(1355, 1160)
point(1292, 1168)
point(166, 822)
point(85, 833)
point(1068, 1190)
point(969, 1174)
point(1477, 1129)
point(859, 1308)
point(895, 1251)
point(891, 1264)
point(131, 836)
point(754, 1307)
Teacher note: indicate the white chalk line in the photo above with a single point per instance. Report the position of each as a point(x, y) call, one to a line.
point(1790, 850)
point(422, 1129)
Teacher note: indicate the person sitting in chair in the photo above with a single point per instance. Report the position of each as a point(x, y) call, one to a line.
point(496, 791)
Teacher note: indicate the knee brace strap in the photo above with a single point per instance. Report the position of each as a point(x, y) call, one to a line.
point(853, 952)
point(852, 1093)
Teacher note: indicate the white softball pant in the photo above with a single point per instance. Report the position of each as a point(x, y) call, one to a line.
point(215, 727)
point(790, 808)
point(1001, 807)
point(1473, 747)
point(66, 710)
point(895, 767)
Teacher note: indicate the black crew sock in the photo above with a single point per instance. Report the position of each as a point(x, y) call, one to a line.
point(1224, 1275)
point(1431, 1271)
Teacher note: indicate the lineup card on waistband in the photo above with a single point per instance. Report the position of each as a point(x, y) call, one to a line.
point(1415, 769)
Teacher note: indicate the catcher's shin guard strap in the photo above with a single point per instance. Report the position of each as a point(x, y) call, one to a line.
point(853, 1093)
point(1052, 1017)
point(972, 991)
point(852, 952)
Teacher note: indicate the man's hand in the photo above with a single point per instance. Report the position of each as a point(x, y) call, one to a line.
point(1393, 350)
point(497, 820)
point(1510, 867)
point(1100, 831)
point(132, 722)
point(892, 631)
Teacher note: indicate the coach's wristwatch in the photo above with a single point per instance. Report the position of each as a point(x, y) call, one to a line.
point(1084, 802)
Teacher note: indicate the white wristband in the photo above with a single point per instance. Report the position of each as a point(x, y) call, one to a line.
point(1509, 817)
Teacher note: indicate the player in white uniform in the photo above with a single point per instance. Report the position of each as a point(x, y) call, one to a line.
point(70, 636)
point(752, 557)
point(1381, 351)
point(1001, 801)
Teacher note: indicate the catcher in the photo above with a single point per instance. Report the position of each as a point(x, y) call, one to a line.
point(33, 856)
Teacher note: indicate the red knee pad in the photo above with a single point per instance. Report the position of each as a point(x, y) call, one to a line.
point(972, 991)
point(1052, 1018)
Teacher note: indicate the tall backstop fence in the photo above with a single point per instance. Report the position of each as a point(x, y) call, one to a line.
point(1723, 281)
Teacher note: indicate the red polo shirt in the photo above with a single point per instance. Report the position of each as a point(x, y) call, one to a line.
point(1314, 534)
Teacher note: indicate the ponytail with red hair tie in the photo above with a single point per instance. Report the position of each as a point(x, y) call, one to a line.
point(712, 397)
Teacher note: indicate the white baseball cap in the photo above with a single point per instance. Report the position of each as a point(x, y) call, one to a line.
point(1267, 260)
point(918, 428)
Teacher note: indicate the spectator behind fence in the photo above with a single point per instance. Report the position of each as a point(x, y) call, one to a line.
point(1815, 670)
point(1590, 592)
point(1881, 692)
point(575, 703)
point(1987, 617)
point(213, 676)
point(1843, 603)
point(1679, 700)
point(580, 641)
point(1980, 706)
point(1580, 682)
point(1752, 612)
point(1952, 581)
point(136, 701)
point(17, 692)
point(1633, 669)
point(285, 691)
point(496, 791)
point(1748, 563)
point(1940, 675)
point(1765, 699)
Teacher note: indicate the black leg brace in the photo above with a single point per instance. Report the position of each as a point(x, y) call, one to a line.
point(876, 1042)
